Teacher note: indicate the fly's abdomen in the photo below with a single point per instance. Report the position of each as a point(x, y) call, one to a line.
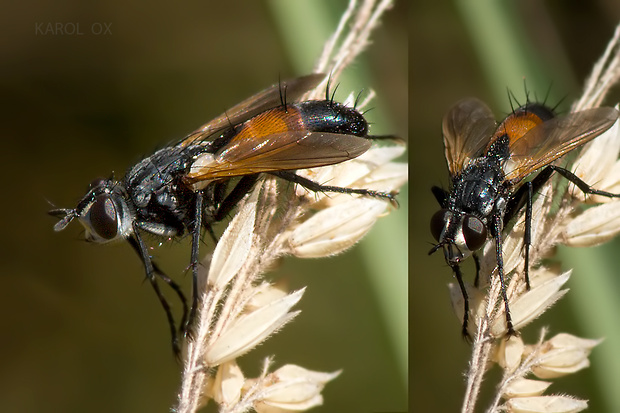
point(332, 117)
point(311, 116)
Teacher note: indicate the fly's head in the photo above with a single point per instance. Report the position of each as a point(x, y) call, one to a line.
point(104, 212)
point(458, 233)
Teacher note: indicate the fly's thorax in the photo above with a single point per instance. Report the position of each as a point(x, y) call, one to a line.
point(159, 173)
point(477, 188)
point(498, 150)
point(156, 196)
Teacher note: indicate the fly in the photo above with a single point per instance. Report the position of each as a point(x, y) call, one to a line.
point(183, 188)
point(488, 165)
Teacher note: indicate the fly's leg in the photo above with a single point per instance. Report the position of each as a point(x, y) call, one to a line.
point(497, 230)
point(459, 278)
point(477, 262)
point(316, 187)
point(177, 289)
point(527, 236)
point(585, 188)
point(138, 244)
point(524, 196)
point(194, 259)
point(244, 186)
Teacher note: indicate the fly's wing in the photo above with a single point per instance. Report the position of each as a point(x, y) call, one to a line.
point(467, 128)
point(290, 90)
point(277, 152)
point(550, 140)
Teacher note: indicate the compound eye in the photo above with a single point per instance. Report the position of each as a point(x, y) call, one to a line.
point(474, 232)
point(438, 223)
point(103, 217)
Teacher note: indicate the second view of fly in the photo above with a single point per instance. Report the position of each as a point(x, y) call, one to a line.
point(183, 188)
point(489, 164)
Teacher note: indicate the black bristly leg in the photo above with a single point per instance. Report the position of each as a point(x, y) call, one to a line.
point(138, 244)
point(459, 278)
point(177, 289)
point(316, 187)
point(525, 196)
point(225, 203)
point(477, 262)
point(497, 229)
point(232, 199)
point(212, 196)
point(518, 200)
point(579, 183)
point(520, 197)
point(527, 236)
point(209, 229)
point(194, 259)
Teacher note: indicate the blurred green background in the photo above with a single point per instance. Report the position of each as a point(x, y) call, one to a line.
point(480, 48)
point(81, 329)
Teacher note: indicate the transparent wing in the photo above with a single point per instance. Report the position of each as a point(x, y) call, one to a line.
point(277, 152)
point(550, 140)
point(467, 128)
point(291, 90)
